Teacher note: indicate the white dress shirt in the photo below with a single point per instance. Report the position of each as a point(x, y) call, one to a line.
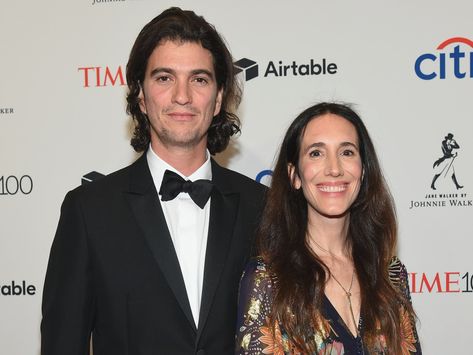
point(188, 225)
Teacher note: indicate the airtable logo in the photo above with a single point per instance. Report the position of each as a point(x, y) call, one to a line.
point(15, 288)
point(248, 66)
point(448, 61)
point(281, 69)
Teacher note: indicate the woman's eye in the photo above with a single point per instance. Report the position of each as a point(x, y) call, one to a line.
point(348, 152)
point(314, 153)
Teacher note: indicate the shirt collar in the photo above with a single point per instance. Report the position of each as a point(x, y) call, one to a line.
point(158, 166)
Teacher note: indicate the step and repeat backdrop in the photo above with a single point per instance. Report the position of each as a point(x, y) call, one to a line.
point(406, 66)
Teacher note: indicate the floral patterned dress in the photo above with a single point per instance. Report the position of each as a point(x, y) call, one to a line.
point(254, 331)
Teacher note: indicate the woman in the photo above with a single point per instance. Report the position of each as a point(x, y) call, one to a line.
point(326, 281)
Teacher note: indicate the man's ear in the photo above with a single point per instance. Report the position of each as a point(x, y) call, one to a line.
point(218, 102)
point(294, 176)
point(141, 98)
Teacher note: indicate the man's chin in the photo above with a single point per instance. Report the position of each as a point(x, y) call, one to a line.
point(190, 141)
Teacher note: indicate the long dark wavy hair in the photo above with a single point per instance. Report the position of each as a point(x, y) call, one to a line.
point(372, 234)
point(183, 26)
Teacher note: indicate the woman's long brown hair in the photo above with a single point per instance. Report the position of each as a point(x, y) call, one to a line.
point(372, 233)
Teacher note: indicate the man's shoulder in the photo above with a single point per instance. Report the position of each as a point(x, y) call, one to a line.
point(118, 180)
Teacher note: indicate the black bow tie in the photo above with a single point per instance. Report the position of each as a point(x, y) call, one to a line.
point(173, 184)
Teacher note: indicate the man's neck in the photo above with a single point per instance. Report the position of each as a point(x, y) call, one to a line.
point(184, 160)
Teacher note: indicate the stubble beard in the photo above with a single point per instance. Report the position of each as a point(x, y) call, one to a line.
point(187, 141)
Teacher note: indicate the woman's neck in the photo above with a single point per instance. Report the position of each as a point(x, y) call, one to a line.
point(328, 236)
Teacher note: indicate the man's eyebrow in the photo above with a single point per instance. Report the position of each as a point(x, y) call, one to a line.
point(159, 70)
point(203, 71)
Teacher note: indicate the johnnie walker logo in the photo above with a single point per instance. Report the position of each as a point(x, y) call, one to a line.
point(445, 189)
point(444, 166)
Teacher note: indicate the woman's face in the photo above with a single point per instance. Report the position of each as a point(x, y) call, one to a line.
point(330, 166)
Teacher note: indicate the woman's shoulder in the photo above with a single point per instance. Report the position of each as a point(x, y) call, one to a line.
point(257, 272)
point(256, 284)
point(256, 266)
point(398, 274)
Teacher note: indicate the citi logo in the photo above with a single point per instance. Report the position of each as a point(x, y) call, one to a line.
point(101, 76)
point(281, 69)
point(453, 59)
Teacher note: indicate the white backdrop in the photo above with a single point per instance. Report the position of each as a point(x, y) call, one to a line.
point(54, 128)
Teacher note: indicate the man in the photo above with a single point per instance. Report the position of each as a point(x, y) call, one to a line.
point(136, 264)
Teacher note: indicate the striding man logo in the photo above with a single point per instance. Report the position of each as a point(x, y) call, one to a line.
point(444, 166)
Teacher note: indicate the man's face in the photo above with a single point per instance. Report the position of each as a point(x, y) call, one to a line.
point(180, 95)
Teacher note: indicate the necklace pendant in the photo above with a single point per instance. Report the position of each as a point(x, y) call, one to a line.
point(348, 294)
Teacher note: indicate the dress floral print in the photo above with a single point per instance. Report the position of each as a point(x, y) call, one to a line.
point(255, 334)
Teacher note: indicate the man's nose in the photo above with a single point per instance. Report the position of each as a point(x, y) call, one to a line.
point(182, 93)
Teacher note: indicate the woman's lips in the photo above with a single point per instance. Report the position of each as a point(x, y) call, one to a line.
point(332, 187)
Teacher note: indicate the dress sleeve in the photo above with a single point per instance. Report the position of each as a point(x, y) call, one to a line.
point(254, 334)
point(398, 276)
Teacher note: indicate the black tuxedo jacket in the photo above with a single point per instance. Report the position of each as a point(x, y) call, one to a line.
point(113, 273)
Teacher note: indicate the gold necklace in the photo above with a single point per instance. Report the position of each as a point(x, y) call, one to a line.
point(347, 293)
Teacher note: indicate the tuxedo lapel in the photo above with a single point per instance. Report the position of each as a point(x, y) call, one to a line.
point(223, 212)
point(144, 202)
